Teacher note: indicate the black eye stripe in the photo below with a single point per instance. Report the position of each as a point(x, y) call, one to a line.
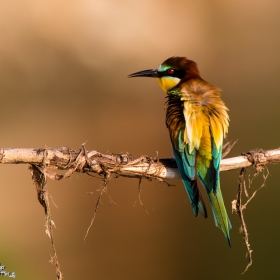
point(177, 73)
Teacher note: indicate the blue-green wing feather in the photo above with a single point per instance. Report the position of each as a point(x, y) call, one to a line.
point(186, 165)
point(217, 156)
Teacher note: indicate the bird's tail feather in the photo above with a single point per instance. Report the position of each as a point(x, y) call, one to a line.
point(220, 214)
point(195, 197)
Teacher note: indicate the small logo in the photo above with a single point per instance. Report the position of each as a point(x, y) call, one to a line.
point(5, 273)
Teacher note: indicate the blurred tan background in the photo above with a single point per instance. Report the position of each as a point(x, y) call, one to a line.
point(63, 81)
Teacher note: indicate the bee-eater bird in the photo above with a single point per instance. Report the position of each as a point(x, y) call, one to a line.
point(197, 121)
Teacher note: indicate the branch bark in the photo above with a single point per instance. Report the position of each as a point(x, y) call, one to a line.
point(123, 164)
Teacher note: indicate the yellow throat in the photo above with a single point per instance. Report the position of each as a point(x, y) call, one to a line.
point(167, 83)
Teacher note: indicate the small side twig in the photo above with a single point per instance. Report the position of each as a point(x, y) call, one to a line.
point(139, 195)
point(103, 189)
point(228, 147)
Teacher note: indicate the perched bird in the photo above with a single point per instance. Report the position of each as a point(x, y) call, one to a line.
point(197, 121)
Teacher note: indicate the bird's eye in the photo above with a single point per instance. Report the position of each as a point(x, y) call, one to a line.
point(170, 71)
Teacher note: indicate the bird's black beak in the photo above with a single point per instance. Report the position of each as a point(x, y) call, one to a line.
point(152, 73)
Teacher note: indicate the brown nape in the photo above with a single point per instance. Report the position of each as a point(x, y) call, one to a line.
point(182, 63)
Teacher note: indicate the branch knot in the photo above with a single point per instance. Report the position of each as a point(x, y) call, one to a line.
point(256, 157)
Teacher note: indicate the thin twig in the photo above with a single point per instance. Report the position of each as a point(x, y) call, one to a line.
point(265, 176)
point(240, 209)
point(96, 207)
point(139, 195)
point(228, 147)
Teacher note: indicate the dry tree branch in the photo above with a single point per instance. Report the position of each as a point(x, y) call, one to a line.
point(120, 164)
point(124, 164)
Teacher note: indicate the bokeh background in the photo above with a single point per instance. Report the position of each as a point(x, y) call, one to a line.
point(63, 81)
